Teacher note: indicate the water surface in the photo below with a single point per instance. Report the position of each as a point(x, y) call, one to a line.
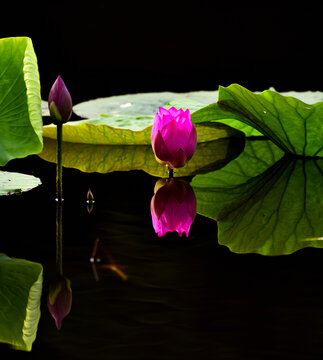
point(184, 298)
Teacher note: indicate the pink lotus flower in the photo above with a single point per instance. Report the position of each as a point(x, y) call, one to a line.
point(59, 299)
point(60, 101)
point(173, 137)
point(173, 207)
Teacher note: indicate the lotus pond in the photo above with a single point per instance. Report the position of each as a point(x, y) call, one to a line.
point(246, 283)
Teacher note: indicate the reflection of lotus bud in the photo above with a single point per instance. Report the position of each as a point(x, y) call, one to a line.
point(60, 102)
point(59, 299)
point(173, 207)
point(173, 137)
point(90, 201)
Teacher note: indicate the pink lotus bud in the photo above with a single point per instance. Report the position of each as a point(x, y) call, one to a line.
point(60, 102)
point(173, 137)
point(173, 207)
point(59, 299)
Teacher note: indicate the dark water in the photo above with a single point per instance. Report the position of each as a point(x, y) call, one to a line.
point(184, 298)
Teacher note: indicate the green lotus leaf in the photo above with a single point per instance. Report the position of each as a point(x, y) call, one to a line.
point(208, 156)
point(20, 292)
point(214, 112)
point(293, 125)
point(16, 183)
point(201, 113)
point(253, 199)
point(20, 102)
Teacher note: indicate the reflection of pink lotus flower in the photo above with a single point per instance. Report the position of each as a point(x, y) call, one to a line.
point(173, 137)
point(173, 207)
point(59, 299)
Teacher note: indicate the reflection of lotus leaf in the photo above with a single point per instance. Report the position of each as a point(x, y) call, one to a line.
point(263, 205)
point(21, 286)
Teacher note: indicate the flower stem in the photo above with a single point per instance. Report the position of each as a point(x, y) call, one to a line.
point(59, 171)
point(171, 173)
point(59, 199)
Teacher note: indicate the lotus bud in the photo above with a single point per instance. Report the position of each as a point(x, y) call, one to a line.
point(60, 102)
point(173, 206)
point(173, 137)
point(59, 299)
point(89, 196)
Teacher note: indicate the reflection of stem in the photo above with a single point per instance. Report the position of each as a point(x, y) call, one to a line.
point(95, 250)
point(59, 241)
point(116, 269)
point(59, 172)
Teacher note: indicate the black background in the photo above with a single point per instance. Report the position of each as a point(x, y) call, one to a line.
point(272, 306)
point(104, 48)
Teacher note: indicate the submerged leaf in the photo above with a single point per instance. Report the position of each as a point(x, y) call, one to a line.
point(21, 287)
point(253, 199)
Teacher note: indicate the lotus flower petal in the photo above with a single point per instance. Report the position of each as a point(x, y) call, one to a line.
point(175, 136)
point(191, 144)
point(159, 147)
point(178, 160)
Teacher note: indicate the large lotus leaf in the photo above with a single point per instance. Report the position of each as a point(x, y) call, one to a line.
point(142, 104)
point(308, 97)
point(20, 101)
point(208, 156)
point(293, 125)
point(20, 292)
point(16, 183)
point(263, 205)
point(127, 119)
point(212, 112)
